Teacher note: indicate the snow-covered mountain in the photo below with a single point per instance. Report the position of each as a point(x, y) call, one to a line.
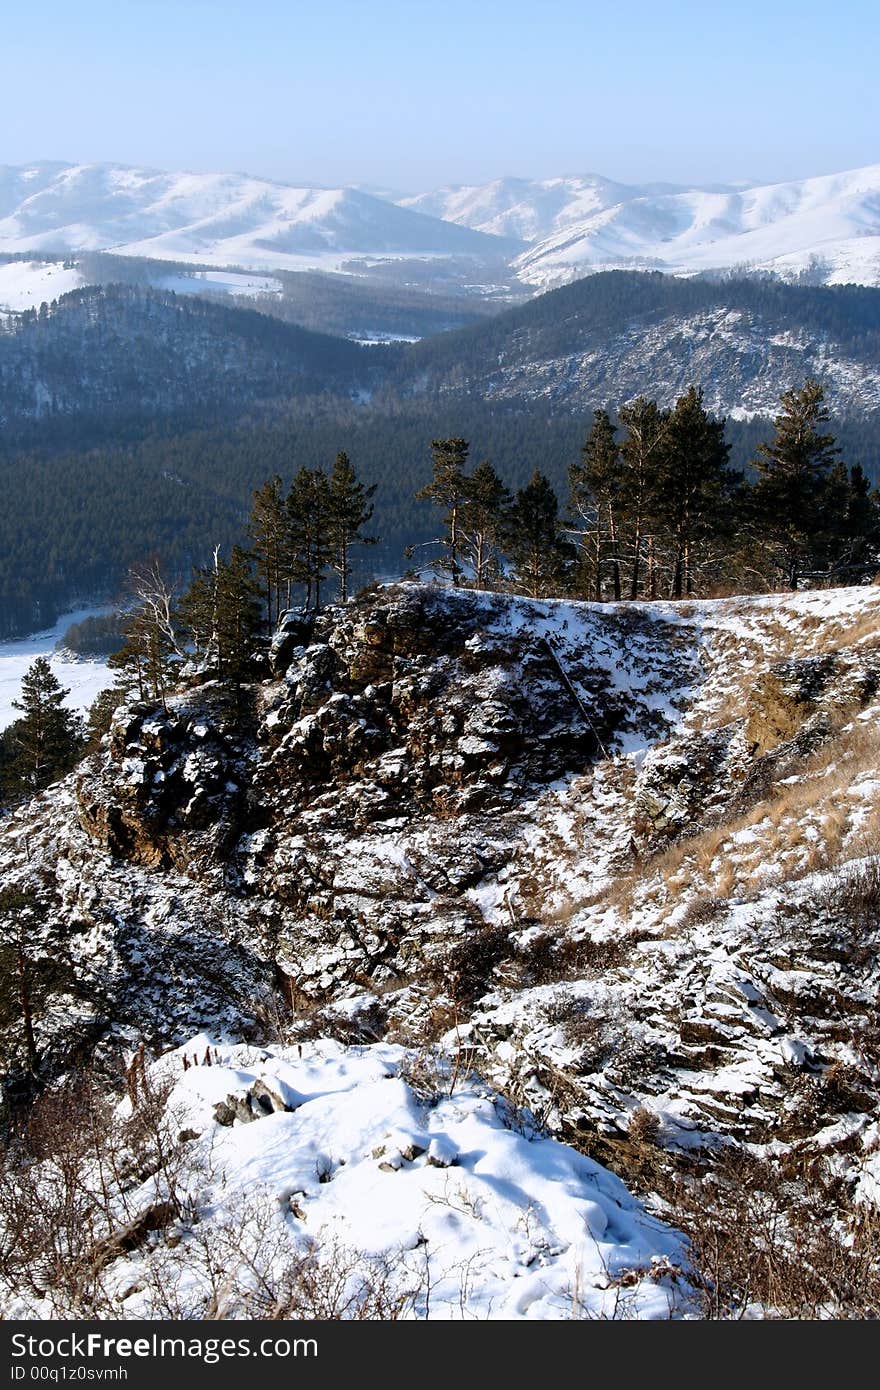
point(227, 219)
point(826, 227)
point(530, 209)
point(550, 231)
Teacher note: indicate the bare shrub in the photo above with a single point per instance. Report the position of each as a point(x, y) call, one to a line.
point(465, 968)
point(71, 1195)
point(855, 896)
point(249, 1264)
point(644, 1126)
point(778, 1243)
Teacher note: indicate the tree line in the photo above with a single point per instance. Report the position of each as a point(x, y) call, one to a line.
point(218, 625)
point(656, 510)
point(75, 522)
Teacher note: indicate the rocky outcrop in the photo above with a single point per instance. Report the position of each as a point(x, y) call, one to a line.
point(175, 790)
point(465, 815)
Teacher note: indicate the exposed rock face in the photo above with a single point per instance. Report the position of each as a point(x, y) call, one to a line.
point(177, 788)
point(551, 827)
point(794, 693)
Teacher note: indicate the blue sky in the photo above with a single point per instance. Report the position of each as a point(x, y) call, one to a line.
point(410, 95)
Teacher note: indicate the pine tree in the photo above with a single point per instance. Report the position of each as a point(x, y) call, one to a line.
point(308, 528)
point(198, 612)
point(222, 610)
point(238, 617)
point(642, 457)
point(47, 738)
point(852, 524)
point(790, 497)
point(540, 553)
point(694, 490)
point(595, 491)
point(268, 529)
point(101, 712)
point(350, 509)
point(448, 489)
point(481, 523)
point(18, 914)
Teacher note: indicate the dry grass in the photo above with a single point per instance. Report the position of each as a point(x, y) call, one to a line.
point(801, 826)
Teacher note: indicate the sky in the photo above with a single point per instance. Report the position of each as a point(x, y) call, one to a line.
point(405, 96)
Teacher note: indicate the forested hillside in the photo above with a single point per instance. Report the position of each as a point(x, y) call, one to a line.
point(137, 423)
point(105, 356)
point(610, 337)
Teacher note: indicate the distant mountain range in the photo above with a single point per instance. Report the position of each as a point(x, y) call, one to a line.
point(224, 219)
point(824, 229)
point(539, 233)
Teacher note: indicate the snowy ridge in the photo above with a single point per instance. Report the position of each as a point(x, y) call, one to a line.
point(827, 227)
point(224, 219)
point(528, 209)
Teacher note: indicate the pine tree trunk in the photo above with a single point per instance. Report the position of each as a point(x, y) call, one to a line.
point(24, 996)
point(677, 572)
point(637, 565)
point(615, 562)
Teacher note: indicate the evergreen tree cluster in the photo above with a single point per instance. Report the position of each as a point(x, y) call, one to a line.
point(655, 509)
point(218, 625)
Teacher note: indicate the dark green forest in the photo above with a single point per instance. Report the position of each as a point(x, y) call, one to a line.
point(166, 412)
point(592, 309)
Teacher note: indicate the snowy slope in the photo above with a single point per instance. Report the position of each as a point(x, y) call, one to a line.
point(228, 219)
point(828, 227)
point(28, 284)
point(530, 209)
point(330, 1154)
point(619, 859)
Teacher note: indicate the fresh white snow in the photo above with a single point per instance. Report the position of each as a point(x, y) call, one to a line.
point(222, 219)
point(28, 284)
point(827, 226)
point(353, 1152)
point(240, 286)
point(84, 679)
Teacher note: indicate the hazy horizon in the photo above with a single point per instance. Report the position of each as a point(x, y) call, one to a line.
point(396, 98)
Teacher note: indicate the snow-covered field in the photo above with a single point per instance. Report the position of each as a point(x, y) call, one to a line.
point(84, 679)
point(28, 284)
point(220, 282)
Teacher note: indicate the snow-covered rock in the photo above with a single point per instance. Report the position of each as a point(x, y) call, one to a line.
point(351, 1166)
point(649, 913)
